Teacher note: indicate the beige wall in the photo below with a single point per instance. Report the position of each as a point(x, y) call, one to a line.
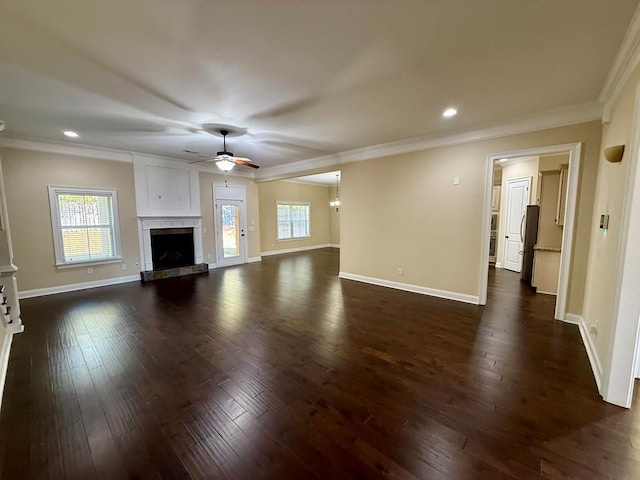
point(285, 191)
point(609, 199)
point(27, 175)
point(526, 167)
point(404, 211)
point(334, 221)
point(207, 180)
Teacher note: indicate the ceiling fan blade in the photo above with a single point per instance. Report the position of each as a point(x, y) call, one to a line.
point(208, 159)
point(245, 162)
point(197, 154)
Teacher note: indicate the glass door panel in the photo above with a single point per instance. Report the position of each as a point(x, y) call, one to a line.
point(230, 230)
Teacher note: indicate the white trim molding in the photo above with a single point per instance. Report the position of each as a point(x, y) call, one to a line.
point(554, 118)
point(589, 346)
point(78, 150)
point(574, 150)
point(627, 58)
point(333, 245)
point(294, 250)
point(407, 287)
point(72, 287)
point(213, 266)
point(619, 377)
point(146, 224)
point(5, 350)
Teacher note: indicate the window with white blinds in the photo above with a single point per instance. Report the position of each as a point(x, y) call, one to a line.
point(85, 225)
point(293, 220)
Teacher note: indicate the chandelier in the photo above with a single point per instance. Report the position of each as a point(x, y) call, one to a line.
point(336, 203)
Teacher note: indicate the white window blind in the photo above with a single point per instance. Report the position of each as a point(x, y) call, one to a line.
point(85, 225)
point(293, 220)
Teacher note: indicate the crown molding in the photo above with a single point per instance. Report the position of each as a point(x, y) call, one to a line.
point(79, 150)
point(529, 123)
point(555, 118)
point(306, 167)
point(627, 58)
point(103, 153)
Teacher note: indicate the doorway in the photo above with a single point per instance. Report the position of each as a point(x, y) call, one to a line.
point(229, 211)
point(518, 197)
point(568, 217)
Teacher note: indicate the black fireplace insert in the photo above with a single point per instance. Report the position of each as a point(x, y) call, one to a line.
point(172, 247)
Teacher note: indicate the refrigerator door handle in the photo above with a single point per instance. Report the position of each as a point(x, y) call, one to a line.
point(522, 228)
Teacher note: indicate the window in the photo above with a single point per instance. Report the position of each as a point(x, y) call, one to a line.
point(293, 220)
point(85, 225)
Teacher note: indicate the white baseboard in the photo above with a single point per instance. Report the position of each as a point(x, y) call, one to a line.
point(39, 292)
point(596, 367)
point(249, 260)
point(293, 250)
point(460, 297)
point(5, 349)
point(555, 294)
point(498, 265)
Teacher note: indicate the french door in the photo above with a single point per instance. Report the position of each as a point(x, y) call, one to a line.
point(230, 233)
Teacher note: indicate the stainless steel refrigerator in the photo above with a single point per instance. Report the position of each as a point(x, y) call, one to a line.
point(529, 230)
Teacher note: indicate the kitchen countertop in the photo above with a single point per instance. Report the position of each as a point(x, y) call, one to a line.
point(542, 248)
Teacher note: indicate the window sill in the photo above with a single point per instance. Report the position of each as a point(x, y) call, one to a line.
point(63, 266)
point(293, 239)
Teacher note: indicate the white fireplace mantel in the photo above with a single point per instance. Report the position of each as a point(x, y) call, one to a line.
point(146, 224)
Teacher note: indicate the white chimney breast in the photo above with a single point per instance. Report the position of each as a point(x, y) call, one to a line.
point(165, 188)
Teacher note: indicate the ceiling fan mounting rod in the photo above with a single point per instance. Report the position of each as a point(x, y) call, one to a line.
point(224, 133)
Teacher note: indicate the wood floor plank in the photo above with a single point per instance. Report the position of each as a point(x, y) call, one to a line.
point(281, 370)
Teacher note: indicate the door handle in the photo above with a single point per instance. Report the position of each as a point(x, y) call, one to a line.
point(522, 228)
point(506, 236)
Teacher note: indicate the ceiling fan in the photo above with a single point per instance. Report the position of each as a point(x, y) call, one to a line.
point(224, 160)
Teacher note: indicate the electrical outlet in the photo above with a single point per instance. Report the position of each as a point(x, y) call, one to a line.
point(204, 230)
point(137, 264)
point(594, 329)
point(124, 266)
point(89, 270)
point(208, 255)
point(400, 271)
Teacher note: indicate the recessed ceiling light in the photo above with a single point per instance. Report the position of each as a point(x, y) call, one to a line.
point(450, 112)
point(71, 134)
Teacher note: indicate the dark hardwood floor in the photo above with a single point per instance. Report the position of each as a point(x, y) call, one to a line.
point(280, 370)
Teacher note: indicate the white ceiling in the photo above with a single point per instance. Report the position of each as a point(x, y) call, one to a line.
point(307, 79)
point(327, 178)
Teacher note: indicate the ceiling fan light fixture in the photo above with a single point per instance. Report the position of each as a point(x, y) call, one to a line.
point(225, 165)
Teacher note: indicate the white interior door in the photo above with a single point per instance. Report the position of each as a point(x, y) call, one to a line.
point(231, 245)
point(517, 199)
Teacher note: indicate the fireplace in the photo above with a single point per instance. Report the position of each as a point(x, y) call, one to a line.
point(171, 247)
